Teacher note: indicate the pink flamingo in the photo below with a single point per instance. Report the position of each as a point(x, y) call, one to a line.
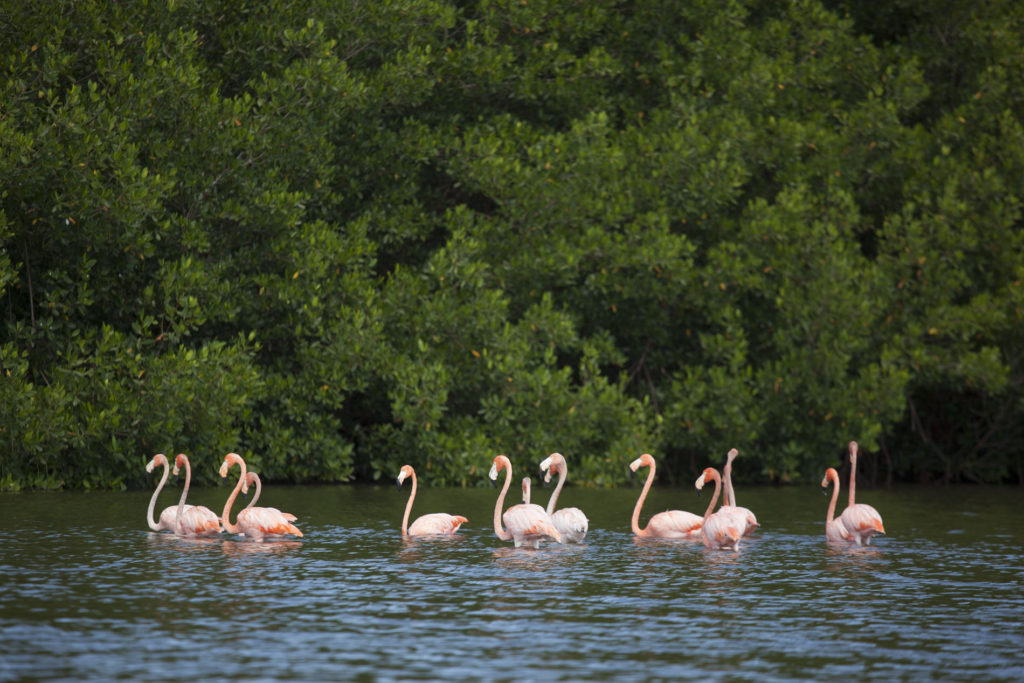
point(834, 529)
point(193, 520)
point(256, 522)
point(570, 522)
point(169, 514)
point(723, 529)
point(253, 479)
point(527, 523)
point(730, 495)
point(668, 524)
point(861, 520)
point(427, 525)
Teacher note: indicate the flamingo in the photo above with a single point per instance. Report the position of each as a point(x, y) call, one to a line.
point(570, 522)
point(427, 525)
point(193, 520)
point(723, 529)
point(526, 490)
point(169, 514)
point(527, 523)
point(834, 529)
point(253, 479)
point(256, 522)
point(668, 524)
point(730, 495)
point(861, 520)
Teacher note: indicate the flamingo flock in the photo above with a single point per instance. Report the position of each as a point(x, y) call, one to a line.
point(526, 524)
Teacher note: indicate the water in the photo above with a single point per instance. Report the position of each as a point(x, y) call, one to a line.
point(88, 592)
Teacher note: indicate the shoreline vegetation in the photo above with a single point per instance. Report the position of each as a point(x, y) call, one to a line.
point(340, 238)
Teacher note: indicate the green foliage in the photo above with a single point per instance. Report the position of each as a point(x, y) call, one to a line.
point(336, 238)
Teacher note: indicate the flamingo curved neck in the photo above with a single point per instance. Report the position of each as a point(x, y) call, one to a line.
point(714, 496)
point(228, 526)
point(184, 491)
point(152, 501)
point(408, 507)
point(558, 489)
point(729, 494)
point(853, 479)
point(830, 515)
point(635, 522)
point(498, 528)
point(256, 495)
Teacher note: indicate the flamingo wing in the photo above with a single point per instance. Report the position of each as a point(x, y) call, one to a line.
point(259, 522)
point(835, 531)
point(436, 523)
point(862, 522)
point(530, 523)
point(169, 517)
point(675, 524)
point(197, 520)
point(571, 523)
point(748, 516)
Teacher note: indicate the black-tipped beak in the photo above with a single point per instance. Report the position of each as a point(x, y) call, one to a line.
point(631, 473)
point(398, 483)
point(494, 482)
point(824, 490)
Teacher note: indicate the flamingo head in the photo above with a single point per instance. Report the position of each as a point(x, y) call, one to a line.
point(403, 474)
point(709, 474)
point(251, 479)
point(526, 488)
point(551, 464)
point(731, 455)
point(645, 460)
point(179, 462)
point(830, 475)
point(158, 459)
point(853, 451)
point(500, 463)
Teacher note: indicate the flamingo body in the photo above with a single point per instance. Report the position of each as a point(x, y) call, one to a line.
point(673, 524)
point(437, 523)
point(721, 530)
point(527, 524)
point(668, 524)
point(254, 522)
point(253, 479)
point(730, 494)
point(570, 522)
point(192, 520)
point(861, 521)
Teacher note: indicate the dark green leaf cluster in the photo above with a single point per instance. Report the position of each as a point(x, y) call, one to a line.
point(339, 237)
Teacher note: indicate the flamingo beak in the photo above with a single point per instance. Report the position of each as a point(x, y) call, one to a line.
point(824, 490)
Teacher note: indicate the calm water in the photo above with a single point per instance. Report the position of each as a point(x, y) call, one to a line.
point(88, 592)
